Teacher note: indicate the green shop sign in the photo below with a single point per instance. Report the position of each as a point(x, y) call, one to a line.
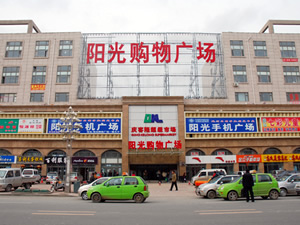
point(9, 126)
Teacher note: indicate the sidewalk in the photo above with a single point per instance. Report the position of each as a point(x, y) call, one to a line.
point(156, 190)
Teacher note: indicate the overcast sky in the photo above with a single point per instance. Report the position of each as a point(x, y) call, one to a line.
point(102, 16)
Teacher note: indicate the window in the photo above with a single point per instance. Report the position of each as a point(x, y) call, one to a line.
point(266, 96)
point(131, 181)
point(241, 97)
point(10, 75)
point(17, 173)
point(36, 97)
point(239, 73)
point(61, 97)
point(65, 48)
point(263, 73)
point(260, 48)
point(114, 181)
point(8, 97)
point(39, 75)
point(41, 48)
point(291, 74)
point(264, 178)
point(292, 96)
point(63, 74)
point(13, 49)
point(288, 49)
point(237, 48)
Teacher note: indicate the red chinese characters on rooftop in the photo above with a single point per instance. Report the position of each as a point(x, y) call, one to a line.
point(141, 52)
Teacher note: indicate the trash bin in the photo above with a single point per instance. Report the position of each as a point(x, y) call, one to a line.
point(76, 186)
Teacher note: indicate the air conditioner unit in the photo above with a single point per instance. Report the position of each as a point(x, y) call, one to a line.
point(235, 84)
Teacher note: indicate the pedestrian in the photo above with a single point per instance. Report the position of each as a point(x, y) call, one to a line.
point(184, 177)
point(248, 184)
point(158, 176)
point(92, 178)
point(174, 181)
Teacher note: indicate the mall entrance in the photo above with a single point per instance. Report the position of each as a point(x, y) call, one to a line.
point(148, 172)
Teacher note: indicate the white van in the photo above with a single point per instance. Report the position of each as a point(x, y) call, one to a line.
point(32, 173)
point(206, 174)
point(11, 178)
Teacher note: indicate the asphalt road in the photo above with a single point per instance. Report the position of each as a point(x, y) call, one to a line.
point(171, 209)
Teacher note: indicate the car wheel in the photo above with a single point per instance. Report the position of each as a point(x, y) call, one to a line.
point(96, 198)
point(8, 188)
point(232, 196)
point(283, 192)
point(211, 194)
point(138, 198)
point(84, 195)
point(265, 197)
point(273, 194)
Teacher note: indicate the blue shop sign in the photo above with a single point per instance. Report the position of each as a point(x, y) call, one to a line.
point(7, 159)
point(90, 126)
point(221, 125)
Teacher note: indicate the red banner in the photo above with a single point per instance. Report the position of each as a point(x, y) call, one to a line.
point(280, 124)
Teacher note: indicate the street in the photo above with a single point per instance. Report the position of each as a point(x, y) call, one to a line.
point(171, 208)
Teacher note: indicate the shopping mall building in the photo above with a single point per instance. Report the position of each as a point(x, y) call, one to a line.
point(151, 101)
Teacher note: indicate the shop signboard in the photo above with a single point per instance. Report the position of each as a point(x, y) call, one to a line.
point(9, 126)
point(280, 158)
point(85, 160)
point(153, 127)
point(248, 158)
point(280, 124)
point(38, 87)
point(210, 159)
point(28, 126)
point(7, 159)
point(90, 125)
point(55, 160)
point(221, 125)
point(30, 159)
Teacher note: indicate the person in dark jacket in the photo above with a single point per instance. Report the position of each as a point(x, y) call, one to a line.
point(248, 184)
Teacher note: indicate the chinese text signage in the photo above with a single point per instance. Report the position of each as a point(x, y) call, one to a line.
point(30, 159)
point(7, 159)
point(221, 125)
point(280, 124)
point(91, 125)
point(55, 160)
point(281, 158)
point(31, 126)
point(141, 52)
point(9, 126)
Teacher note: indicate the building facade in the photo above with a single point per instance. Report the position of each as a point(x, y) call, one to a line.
point(151, 102)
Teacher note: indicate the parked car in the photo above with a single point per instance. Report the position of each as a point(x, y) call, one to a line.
point(204, 175)
point(12, 178)
point(265, 185)
point(297, 188)
point(82, 191)
point(120, 188)
point(209, 189)
point(51, 176)
point(32, 173)
point(287, 184)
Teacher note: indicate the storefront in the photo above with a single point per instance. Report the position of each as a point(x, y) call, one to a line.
point(32, 159)
point(56, 162)
point(192, 169)
point(84, 163)
point(111, 163)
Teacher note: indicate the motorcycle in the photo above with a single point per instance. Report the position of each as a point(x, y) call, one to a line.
point(57, 185)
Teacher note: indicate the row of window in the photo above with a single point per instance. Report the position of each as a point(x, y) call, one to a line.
point(34, 97)
point(266, 96)
point(290, 73)
point(14, 49)
point(10, 75)
point(287, 48)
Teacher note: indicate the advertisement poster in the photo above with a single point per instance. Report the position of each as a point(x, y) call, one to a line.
point(27, 126)
point(9, 126)
point(280, 124)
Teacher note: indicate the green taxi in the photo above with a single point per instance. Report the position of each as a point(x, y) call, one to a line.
point(265, 185)
point(120, 188)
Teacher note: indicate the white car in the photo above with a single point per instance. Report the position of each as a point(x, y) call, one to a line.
point(82, 191)
point(32, 173)
point(209, 189)
point(297, 188)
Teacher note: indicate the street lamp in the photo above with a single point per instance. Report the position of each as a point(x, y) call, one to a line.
point(69, 128)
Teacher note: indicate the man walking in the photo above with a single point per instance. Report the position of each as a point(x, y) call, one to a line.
point(248, 184)
point(174, 181)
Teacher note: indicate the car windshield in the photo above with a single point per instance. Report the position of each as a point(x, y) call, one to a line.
point(283, 178)
point(2, 174)
point(213, 180)
point(27, 172)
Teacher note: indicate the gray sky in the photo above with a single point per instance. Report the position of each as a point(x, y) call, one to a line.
point(97, 16)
